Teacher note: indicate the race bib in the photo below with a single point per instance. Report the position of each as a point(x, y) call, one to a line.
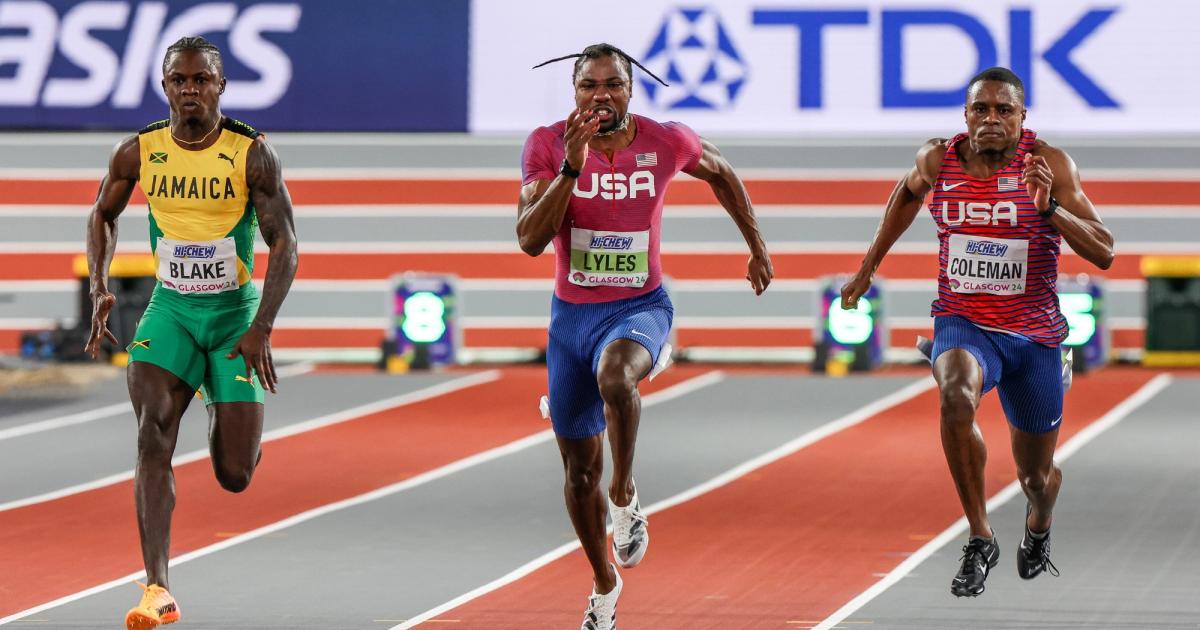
point(609, 259)
point(979, 264)
point(198, 267)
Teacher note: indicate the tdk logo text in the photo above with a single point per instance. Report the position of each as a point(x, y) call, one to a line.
point(986, 248)
point(611, 242)
point(694, 52)
point(146, 31)
point(195, 251)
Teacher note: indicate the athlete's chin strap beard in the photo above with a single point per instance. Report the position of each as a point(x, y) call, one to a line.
point(621, 126)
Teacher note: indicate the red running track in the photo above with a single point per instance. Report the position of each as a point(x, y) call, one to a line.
point(53, 549)
point(796, 539)
point(501, 191)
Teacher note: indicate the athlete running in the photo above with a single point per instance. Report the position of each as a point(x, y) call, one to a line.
point(210, 180)
point(1003, 202)
point(594, 186)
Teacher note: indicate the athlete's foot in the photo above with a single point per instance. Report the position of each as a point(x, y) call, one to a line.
point(156, 608)
point(979, 556)
point(630, 533)
point(1033, 556)
point(601, 613)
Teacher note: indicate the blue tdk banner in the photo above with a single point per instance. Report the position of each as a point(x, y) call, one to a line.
point(394, 65)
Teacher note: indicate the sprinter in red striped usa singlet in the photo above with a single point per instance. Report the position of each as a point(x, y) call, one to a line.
point(1003, 201)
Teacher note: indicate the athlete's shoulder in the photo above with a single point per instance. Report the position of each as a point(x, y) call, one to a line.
point(241, 128)
point(154, 126)
point(931, 154)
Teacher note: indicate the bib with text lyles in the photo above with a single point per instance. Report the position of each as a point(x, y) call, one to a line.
point(978, 264)
point(609, 259)
point(198, 267)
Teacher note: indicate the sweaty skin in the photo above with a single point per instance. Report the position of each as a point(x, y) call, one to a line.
point(994, 115)
point(193, 84)
point(603, 89)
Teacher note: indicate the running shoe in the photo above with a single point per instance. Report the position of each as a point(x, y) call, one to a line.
point(1033, 556)
point(979, 556)
point(630, 534)
point(601, 613)
point(156, 608)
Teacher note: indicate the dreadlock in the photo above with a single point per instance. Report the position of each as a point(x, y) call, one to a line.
point(595, 51)
point(194, 43)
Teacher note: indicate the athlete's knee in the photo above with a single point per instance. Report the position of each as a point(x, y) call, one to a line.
point(1037, 481)
point(582, 480)
point(957, 402)
point(233, 477)
point(618, 386)
point(154, 438)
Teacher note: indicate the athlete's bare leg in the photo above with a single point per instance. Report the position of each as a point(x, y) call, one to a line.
point(622, 364)
point(1040, 477)
point(234, 437)
point(583, 460)
point(960, 379)
point(159, 400)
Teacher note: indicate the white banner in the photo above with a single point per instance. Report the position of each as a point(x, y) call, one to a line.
point(1091, 67)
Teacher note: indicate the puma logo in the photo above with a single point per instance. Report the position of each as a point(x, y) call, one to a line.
point(222, 156)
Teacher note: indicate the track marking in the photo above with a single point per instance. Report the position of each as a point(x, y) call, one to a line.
point(282, 432)
point(788, 448)
point(1080, 439)
point(117, 409)
point(675, 391)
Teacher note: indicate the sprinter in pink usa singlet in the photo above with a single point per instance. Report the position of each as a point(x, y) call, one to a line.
point(594, 185)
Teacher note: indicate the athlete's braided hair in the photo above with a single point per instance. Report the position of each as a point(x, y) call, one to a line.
point(595, 51)
point(1004, 75)
point(194, 43)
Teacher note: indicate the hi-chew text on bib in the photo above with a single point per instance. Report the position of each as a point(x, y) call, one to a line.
point(609, 259)
point(202, 267)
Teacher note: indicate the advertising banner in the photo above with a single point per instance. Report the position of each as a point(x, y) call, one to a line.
point(397, 65)
point(845, 67)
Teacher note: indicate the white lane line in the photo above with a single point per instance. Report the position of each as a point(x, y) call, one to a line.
point(855, 417)
point(282, 432)
point(117, 409)
point(669, 393)
point(1087, 434)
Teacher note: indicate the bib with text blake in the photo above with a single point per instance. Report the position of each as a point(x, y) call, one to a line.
point(609, 259)
point(201, 267)
point(979, 264)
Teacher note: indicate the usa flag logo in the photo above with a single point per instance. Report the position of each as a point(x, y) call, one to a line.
point(1006, 184)
point(646, 159)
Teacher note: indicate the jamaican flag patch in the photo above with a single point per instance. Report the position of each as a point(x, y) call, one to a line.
point(158, 157)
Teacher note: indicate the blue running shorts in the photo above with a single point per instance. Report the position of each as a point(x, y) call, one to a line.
point(579, 333)
point(1027, 374)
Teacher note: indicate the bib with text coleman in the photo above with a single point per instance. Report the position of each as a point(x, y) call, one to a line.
point(977, 264)
point(609, 259)
point(198, 268)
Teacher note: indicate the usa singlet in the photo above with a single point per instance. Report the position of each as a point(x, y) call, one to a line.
point(998, 260)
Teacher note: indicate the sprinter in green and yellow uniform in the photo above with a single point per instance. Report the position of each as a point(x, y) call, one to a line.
point(210, 181)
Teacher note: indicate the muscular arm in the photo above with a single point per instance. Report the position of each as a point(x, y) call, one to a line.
point(264, 175)
point(1076, 218)
point(115, 189)
point(714, 169)
point(540, 212)
point(902, 207)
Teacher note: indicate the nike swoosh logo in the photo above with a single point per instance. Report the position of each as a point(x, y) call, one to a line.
point(960, 579)
point(946, 187)
point(1056, 421)
point(634, 332)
